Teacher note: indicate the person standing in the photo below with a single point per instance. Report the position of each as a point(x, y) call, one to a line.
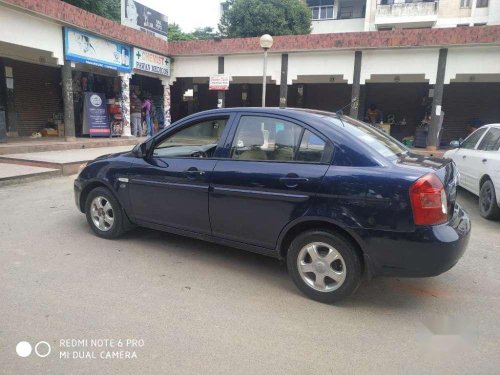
point(374, 115)
point(146, 107)
point(135, 114)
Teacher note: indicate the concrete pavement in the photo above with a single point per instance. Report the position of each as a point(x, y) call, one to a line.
point(204, 308)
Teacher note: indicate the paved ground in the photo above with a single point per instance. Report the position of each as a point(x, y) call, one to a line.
point(202, 308)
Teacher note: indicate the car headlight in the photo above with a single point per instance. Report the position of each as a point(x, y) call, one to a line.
point(81, 168)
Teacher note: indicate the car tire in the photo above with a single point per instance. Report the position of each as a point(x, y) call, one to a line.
point(105, 214)
point(334, 273)
point(488, 205)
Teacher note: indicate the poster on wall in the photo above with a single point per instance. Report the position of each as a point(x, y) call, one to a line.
point(90, 49)
point(95, 115)
point(140, 17)
point(151, 62)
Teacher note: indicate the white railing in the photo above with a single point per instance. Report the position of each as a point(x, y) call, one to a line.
point(407, 9)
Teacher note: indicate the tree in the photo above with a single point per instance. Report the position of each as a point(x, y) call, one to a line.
point(203, 33)
point(249, 18)
point(104, 8)
point(175, 33)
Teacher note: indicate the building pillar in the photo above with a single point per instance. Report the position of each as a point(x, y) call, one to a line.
point(284, 80)
point(435, 127)
point(356, 85)
point(125, 103)
point(221, 95)
point(167, 102)
point(67, 92)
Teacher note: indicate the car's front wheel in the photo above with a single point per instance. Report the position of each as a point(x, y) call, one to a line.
point(325, 266)
point(104, 213)
point(488, 205)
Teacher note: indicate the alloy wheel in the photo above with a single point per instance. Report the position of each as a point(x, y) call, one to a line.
point(102, 213)
point(321, 267)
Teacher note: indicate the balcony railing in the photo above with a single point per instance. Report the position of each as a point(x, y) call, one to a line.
point(425, 8)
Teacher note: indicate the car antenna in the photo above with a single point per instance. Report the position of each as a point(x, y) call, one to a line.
point(353, 104)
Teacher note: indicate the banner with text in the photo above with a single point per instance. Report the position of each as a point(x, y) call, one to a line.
point(140, 17)
point(90, 49)
point(219, 82)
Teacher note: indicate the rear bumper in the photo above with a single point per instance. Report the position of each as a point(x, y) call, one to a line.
point(428, 251)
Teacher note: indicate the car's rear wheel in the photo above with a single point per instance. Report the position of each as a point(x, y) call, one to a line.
point(488, 205)
point(104, 213)
point(325, 266)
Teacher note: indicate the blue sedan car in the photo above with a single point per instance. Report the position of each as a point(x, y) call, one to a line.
point(336, 198)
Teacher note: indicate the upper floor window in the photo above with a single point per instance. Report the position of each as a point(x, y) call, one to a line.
point(482, 4)
point(465, 3)
point(321, 9)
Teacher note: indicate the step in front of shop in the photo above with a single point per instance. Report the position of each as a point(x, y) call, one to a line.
point(29, 146)
point(65, 169)
point(11, 173)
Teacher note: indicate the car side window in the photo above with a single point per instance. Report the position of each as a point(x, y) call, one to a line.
point(195, 140)
point(312, 148)
point(491, 140)
point(471, 141)
point(265, 138)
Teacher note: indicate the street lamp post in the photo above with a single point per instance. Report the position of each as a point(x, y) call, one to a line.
point(266, 42)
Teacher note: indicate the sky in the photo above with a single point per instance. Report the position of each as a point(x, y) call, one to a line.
point(189, 14)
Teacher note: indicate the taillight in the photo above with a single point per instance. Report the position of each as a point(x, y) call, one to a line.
point(428, 200)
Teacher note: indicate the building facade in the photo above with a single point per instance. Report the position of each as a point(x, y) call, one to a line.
point(410, 74)
point(331, 16)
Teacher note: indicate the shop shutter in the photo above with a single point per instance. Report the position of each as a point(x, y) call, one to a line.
point(38, 95)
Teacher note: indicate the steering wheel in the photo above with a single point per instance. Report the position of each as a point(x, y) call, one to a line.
point(199, 154)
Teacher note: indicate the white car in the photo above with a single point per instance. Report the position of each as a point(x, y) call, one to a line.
point(478, 161)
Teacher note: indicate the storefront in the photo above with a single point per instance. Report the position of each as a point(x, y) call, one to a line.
point(150, 79)
point(100, 71)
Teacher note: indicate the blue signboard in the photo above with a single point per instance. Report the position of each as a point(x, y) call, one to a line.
point(86, 48)
point(95, 115)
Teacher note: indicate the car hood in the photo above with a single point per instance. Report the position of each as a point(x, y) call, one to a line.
point(110, 156)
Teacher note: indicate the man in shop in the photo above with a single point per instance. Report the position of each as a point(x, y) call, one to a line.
point(146, 107)
point(374, 115)
point(135, 114)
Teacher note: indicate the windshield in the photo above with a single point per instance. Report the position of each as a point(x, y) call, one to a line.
point(376, 139)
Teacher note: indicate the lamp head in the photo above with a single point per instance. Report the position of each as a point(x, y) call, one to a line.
point(266, 41)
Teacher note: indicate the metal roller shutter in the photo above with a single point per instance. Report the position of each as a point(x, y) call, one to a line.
point(38, 95)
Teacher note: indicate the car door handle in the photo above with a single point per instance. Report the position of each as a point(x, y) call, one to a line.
point(194, 173)
point(485, 160)
point(292, 182)
point(463, 157)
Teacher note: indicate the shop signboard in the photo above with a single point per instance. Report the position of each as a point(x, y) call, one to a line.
point(86, 48)
point(140, 17)
point(95, 115)
point(151, 62)
point(219, 82)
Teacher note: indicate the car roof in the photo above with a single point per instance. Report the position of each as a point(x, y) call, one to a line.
point(299, 113)
point(492, 125)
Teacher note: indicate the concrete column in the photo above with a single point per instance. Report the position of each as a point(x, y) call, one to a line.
point(167, 119)
point(125, 103)
point(432, 137)
point(284, 80)
point(356, 86)
point(69, 111)
point(221, 95)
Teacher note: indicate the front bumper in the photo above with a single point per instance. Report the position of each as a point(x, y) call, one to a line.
point(428, 251)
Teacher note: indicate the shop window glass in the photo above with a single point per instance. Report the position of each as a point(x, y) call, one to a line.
point(490, 141)
point(471, 141)
point(482, 4)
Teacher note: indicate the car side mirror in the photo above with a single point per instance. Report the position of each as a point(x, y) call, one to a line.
point(141, 150)
point(455, 144)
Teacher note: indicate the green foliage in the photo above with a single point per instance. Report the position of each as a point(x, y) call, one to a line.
point(205, 33)
point(250, 18)
point(104, 8)
point(175, 33)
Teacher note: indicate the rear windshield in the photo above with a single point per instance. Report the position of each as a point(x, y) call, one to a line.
point(375, 138)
